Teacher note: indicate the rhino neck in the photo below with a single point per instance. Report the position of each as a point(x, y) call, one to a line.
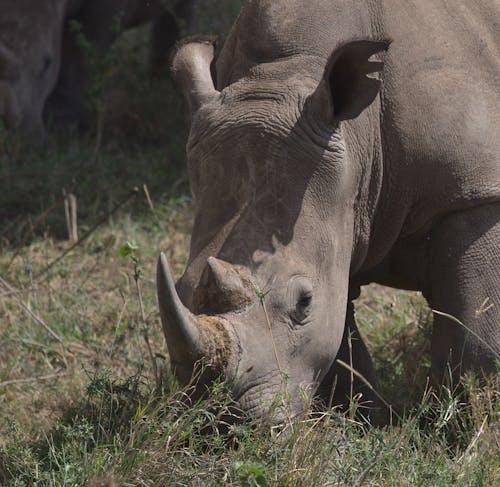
point(362, 140)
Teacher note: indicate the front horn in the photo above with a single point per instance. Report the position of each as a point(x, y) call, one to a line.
point(191, 69)
point(179, 324)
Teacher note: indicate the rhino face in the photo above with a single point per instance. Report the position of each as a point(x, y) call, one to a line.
point(30, 44)
point(263, 298)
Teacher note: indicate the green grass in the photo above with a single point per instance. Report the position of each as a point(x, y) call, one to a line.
point(97, 410)
point(83, 404)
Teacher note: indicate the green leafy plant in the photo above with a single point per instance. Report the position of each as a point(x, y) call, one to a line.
point(250, 473)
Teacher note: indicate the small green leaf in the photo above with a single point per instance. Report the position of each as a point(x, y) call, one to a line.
point(252, 474)
point(128, 248)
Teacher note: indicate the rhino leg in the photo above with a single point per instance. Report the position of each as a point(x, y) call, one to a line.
point(336, 388)
point(165, 32)
point(464, 280)
point(66, 104)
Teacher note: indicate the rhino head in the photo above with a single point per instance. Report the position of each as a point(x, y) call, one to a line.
point(263, 298)
point(30, 45)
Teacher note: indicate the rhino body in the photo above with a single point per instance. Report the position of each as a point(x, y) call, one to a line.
point(43, 73)
point(345, 142)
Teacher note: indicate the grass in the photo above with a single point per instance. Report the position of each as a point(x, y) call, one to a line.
point(90, 407)
point(85, 403)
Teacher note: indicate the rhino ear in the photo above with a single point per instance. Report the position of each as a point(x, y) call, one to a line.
point(346, 89)
point(192, 69)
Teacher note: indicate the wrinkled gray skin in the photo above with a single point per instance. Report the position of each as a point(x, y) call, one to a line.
point(311, 178)
point(41, 58)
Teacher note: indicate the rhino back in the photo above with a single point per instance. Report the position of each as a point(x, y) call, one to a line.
point(439, 101)
point(440, 109)
point(268, 32)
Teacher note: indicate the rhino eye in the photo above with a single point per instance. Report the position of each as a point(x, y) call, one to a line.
point(305, 301)
point(303, 307)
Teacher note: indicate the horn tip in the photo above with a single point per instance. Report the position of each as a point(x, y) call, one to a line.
point(162, 270)
point(162, 261)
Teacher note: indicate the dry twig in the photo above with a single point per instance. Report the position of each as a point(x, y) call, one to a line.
point(33, 379)
point(84, 237)
point(15, 294)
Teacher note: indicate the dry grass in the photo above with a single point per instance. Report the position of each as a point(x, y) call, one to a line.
point(87, 409)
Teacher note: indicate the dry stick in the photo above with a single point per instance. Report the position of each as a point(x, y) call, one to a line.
point(84, 237)
point(23, 305)
point(33, 379)
point(10, 293)
point(472, 332)
point(146, 336)
point(66, 214)
point(150, 203)
point(472, 444)
point(148, 197)
point(32, 343)
point(332, 391)
point(351, 388)
point(74, 215)
point(70, 212)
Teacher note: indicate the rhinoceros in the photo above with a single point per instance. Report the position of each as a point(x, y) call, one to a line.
point(40, 56)
point(344, 142)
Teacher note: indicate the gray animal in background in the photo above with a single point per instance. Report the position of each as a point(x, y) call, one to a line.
point(346, 142)
point(43, 74)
